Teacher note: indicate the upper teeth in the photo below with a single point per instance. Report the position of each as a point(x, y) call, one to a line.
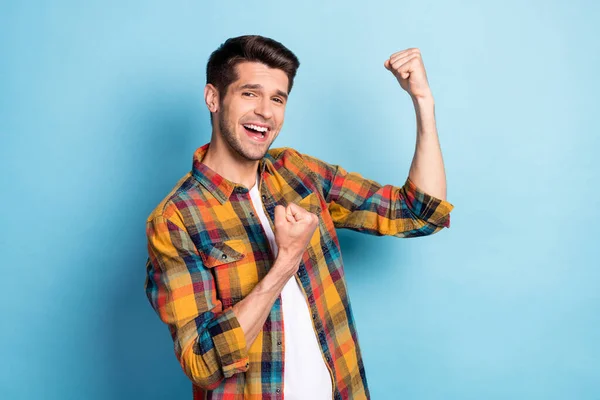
point(258, 128)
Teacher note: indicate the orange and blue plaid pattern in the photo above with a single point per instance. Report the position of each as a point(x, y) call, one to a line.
point(207, 251)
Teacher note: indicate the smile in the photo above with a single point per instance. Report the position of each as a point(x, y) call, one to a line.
point(256, 132)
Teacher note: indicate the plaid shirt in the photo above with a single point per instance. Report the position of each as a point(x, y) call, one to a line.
point(207, 251)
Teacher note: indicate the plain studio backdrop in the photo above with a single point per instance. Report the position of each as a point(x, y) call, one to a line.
point(101, 108)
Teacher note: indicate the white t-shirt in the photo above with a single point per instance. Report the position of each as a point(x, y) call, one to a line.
point(305, 374)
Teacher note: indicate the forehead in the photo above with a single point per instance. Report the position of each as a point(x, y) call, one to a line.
point(249, 72)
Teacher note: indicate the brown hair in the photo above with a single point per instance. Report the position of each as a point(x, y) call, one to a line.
point(220, 70)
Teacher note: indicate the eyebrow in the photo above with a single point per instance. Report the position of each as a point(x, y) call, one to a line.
point(259, 86)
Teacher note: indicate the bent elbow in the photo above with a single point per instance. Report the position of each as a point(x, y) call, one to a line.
point(204, 372)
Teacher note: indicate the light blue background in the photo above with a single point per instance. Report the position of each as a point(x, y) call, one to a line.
point(101, 108)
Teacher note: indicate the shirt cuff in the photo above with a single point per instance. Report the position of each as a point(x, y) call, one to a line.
point(230, 343)
point(427, 207)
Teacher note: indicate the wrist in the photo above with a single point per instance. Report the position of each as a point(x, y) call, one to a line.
point(424, 109)
point(286, 257)
point(280, 273)
point(423, 101)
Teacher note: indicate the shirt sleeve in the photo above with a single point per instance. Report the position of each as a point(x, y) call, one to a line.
point(209, 342)
point(364, 205)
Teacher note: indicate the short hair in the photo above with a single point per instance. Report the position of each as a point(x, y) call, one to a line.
point(220, 70)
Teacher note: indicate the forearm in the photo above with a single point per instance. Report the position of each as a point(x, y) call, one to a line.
point(427, 168)
point(253, 310)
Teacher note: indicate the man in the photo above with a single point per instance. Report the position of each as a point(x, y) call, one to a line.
point(244, 263)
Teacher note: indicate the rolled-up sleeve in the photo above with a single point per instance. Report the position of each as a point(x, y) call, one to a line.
point(209, 342)
point(364, 205)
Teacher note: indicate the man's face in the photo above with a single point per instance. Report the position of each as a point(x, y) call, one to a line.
point(252, 111)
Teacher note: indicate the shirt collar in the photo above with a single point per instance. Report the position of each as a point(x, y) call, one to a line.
point(219, 186)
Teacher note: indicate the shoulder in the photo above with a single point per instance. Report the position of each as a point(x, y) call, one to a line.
point(168, 207)
point(280, 153)
point(297, 162)
point(287, 155)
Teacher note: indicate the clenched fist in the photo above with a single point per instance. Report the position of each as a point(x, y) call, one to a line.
point(407, 66)
point(294, 227)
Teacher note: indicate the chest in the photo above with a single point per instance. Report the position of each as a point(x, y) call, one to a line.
point(233, 240)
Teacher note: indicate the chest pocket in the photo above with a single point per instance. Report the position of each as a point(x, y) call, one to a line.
point(233, 269)
point(223, 252)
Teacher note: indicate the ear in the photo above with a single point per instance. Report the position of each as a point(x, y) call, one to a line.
point(211, 97)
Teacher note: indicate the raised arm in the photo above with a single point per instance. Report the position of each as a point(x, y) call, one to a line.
point(427, 168)
point(418, 207)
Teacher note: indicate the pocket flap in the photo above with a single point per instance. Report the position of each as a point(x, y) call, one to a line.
point(223, 252)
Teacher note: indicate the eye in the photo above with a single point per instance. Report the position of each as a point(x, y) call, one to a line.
point(277, 99)
point(247, 94)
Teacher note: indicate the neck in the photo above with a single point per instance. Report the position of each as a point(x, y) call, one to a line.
point(229, 164)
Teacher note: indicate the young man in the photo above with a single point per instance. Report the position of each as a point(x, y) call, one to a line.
point(244, 263)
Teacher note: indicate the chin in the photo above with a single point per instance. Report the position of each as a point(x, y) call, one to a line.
point(252, 153)
point(255, 151)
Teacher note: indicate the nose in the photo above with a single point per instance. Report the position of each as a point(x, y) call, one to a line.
point(263, 108)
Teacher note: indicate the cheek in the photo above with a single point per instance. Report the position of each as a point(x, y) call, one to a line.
point(280, 116)
point(237, 109)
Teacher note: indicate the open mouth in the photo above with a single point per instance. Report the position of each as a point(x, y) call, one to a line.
point(256, 132)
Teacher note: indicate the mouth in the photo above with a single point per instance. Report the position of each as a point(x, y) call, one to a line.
point(258, 133)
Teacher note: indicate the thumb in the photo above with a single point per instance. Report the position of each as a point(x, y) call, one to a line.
point(386, 64)
point(290, 213)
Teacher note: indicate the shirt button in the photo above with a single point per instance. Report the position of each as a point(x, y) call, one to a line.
point(328, 359)
point(224, 256)
point(278, 343)
point(278, 390)
point(251, 214)
point(263, 197)
point(314, 316)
